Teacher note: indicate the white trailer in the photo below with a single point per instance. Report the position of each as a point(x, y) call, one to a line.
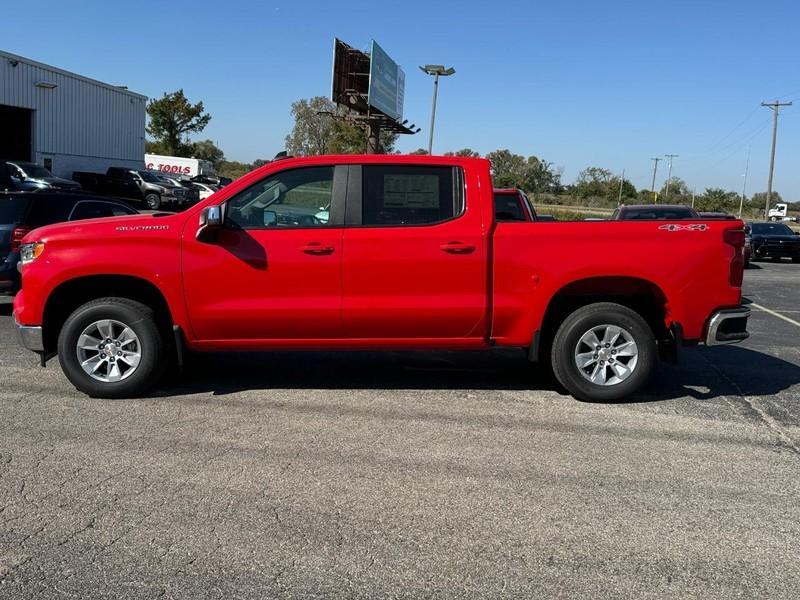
point(187, 167)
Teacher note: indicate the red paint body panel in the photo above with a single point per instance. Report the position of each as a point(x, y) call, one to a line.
point(381, 287)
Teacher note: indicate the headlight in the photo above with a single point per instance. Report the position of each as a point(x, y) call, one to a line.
point(30, 252)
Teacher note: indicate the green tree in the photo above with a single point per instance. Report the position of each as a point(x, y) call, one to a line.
point(679, 192)
point(717, 200)
point(418, 151)
point(464, 152)
point(759, 200)
point(508, 169)
point(172, 119)
point(206, 150)
point(320, 127)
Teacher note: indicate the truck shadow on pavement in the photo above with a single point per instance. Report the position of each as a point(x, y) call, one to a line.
point(704, 373)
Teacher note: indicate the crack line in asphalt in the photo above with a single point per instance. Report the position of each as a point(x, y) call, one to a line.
point(755, 406)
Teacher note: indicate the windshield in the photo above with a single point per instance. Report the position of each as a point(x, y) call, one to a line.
point(771, 229)
point(148, 177)
point(32, 170)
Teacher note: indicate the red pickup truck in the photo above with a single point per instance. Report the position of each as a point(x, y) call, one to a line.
point(375, 252)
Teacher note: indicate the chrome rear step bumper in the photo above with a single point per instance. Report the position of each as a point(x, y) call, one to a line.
point(728, 326)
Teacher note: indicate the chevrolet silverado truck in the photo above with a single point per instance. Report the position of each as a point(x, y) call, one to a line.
point(378, 253)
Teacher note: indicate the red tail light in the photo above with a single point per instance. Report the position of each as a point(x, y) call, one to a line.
point(735, 237)
point(16, 237)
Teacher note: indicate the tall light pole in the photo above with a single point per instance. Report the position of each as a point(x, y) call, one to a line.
point(744, 185)
point(437, 71)
point(669, 174)
point(775, 106)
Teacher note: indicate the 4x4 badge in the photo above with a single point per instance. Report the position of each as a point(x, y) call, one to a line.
point(692, 227)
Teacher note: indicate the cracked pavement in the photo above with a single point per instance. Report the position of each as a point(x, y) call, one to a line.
point(444, 474)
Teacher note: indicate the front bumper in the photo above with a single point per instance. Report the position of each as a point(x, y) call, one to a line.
point(29, 336)
point(728, 326)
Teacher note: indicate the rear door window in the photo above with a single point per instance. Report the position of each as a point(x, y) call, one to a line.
point(411, 195)
point(12, 209)
point(46, 210)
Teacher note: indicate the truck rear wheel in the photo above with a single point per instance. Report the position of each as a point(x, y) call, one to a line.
point(111, 348)
point(153, 201)
point(603, 352)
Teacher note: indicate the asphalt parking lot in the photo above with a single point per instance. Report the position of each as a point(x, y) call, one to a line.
point(410, 475)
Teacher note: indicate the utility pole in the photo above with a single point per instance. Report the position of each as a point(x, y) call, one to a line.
point(694, 191)
point(775, 107)
point(653, 185)
point(621, 181)
point(744, 185)
point(669, 174)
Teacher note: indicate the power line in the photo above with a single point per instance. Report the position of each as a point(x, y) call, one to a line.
point(775, 107)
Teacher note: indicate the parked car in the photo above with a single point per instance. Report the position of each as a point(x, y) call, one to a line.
point(775, 241)
point(21, 212)
point(215, 180)
point(409, 256)
point(204, 189)
point(28, 176)
point(191, 192)
point(748, 245)
point(654, 212)
point(142, 186)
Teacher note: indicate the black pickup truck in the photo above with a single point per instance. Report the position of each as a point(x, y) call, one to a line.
point(142, 185)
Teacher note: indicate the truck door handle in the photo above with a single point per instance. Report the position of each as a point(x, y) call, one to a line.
point(317, 249)
point(457, 248)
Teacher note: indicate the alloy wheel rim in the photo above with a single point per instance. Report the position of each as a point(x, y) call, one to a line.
point(606, 355)
point(109, 351)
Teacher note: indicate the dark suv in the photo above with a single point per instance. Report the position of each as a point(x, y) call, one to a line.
point(21, 212)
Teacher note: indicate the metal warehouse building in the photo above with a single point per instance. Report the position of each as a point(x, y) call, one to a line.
point(67, 122)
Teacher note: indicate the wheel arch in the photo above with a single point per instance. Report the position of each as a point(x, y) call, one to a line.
point(640, 295)
point(71, 294)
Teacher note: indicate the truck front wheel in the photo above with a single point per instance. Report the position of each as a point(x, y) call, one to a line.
point(111, 348)
point(603, 352)
point(153, 201)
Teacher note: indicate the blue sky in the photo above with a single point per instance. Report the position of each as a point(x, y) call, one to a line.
point(608, 84)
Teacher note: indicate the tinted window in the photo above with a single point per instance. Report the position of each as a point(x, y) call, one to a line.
point(96, 210)
point(46, 210)
point(295, 198)
point(507, 207)
point(12, 209)
point(399, 195)
point(771, 229)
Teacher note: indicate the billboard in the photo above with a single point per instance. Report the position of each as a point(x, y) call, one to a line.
point(386, 83)
point(350, 76)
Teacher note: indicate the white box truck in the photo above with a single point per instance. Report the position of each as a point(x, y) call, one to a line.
point(187, 167)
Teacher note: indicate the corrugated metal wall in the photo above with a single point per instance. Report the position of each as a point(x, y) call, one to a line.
point(80, 119)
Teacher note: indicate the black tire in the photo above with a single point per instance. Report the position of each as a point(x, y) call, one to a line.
point(795, 259)
point(153, 201)
point(138, 318)
point(583, 320)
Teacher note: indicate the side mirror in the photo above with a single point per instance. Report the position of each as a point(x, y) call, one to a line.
point(210, 223)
